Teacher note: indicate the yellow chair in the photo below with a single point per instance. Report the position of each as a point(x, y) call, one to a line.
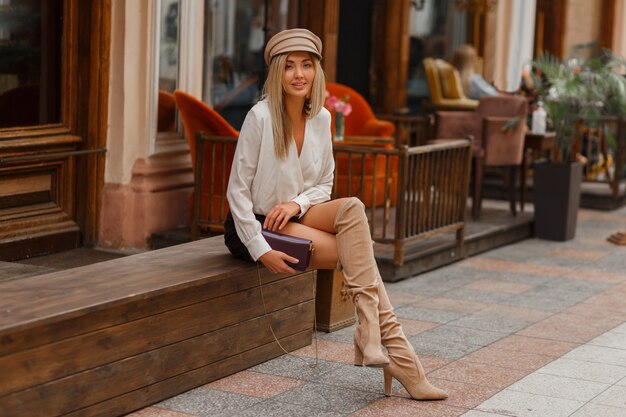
point(444, 86)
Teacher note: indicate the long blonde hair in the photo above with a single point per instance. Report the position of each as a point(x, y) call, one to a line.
point(464, 59)
point(274, 93)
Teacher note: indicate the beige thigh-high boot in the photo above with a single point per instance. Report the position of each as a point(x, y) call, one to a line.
point(356, 256)
point(404, 365)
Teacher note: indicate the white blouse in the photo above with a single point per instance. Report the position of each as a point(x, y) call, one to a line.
point(259, 180)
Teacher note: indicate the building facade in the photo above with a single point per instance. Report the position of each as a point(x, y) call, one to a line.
point(90, 153)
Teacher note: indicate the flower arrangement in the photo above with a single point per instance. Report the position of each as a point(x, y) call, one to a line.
point(342, 109)
point(339, 105)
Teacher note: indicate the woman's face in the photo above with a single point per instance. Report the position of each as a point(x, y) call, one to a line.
point(298, 74)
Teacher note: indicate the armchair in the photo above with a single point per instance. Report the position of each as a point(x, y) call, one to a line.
point(363, 128)
point(444, 86)
point(197, 116)
point(498, 129)
point(362, 121)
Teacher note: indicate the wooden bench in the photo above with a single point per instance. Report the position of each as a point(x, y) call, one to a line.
point(116, 336)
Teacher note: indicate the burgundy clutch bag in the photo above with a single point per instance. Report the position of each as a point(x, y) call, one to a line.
point(295, 247)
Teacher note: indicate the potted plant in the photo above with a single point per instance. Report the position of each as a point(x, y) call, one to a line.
point(577, 95)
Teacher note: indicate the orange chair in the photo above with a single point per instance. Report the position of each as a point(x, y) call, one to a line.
point(363, 123)
point(197, 116)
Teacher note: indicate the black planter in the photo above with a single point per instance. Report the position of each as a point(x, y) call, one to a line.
point(556, 195)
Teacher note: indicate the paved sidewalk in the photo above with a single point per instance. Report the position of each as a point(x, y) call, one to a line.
point(530, 329)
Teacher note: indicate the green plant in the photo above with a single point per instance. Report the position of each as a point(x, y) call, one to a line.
point(577, 95)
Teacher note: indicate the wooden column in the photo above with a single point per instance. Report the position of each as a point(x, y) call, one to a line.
point(608, 23)
point(322, 18)
point(550, 27)
point(391, 55)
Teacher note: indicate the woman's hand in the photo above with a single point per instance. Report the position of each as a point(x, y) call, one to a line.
point(275, 261)
point(279, 215)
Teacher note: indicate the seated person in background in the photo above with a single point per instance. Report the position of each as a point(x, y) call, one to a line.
point(474, 85)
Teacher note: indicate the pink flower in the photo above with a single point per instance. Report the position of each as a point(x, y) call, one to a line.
point(337, 105)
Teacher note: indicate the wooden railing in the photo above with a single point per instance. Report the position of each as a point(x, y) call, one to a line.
point(212, 216)
point(424, 192)
point(414, 192)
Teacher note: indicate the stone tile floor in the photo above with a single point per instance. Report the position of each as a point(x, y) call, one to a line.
point(536, 328)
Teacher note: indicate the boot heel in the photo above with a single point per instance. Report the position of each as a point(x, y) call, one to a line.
point(388, 381)
point(358, 356)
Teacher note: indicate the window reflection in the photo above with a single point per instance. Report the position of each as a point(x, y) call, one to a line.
point(237, 57)
point(30, 59)
point(168, 64)
point(436, 28)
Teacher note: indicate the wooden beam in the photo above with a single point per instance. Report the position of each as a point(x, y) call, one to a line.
point(391, 55)
point(322, 18)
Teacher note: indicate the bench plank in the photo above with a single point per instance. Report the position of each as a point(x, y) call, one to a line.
point(109, 338)
point(59, 359)
point(86, 297)
point(113, 379)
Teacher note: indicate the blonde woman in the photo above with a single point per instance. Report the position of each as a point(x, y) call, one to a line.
point(474, 85)
point(281, 180)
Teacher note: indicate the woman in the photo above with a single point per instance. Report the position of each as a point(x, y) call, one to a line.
point(474, 85)
point(281, 180)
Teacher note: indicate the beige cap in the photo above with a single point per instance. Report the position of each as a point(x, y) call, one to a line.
point(291, 40)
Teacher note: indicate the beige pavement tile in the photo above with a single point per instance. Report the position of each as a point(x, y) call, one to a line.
point(614, 397)
point(157, 412)
point(597, 410)
point(569, 328)
point(399, 298)
point(524, 361)
point(255, 384)
point(587, 255)
point(537, 345)
point(413, 327)
point(492, 285)
point(432, 363)
point(329, 350)
point(464, 395)
point(590, 371)
point(611, 339)
point(621, 383)
point(478, 413)
point(599, 354)
point(404, 407)
point(600, 215)
point(543, 270)
point(559, 387)
point(451, 304)
point(620, 329)
point(478, 374)
point(609, 300)
point(521, 404)
point(591, 308)
point(517, 313)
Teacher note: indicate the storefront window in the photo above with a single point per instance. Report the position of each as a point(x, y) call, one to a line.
point(436, 28)
point(30, 60)
point(168, 63)
point(236, 31)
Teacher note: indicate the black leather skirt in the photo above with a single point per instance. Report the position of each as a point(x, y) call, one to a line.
point(232, 241)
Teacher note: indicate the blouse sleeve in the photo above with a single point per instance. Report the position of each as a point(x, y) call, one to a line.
point(239, 195)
